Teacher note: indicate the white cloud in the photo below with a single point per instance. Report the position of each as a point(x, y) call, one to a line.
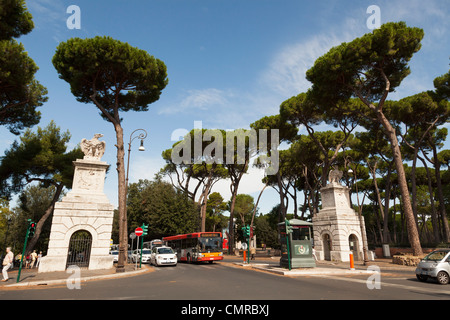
point(48, 13)
point(142, 167)
point(286, 74)
point(250, 183)
point(200, 99)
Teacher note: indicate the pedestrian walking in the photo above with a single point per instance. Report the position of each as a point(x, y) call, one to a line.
point(7, 263)
point(17, 258)
point(27, 261)
point(314, 253)
point(39, 259)
point(252, 253)
point(33, 259)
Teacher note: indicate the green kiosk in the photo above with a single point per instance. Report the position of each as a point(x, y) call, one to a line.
point(296, 244)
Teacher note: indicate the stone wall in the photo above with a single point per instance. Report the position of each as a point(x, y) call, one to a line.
point(399, 251)
point(406, 259)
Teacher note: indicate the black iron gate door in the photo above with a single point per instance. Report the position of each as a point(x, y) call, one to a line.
point(79, 249)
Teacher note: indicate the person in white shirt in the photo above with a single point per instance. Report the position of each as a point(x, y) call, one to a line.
point(7, 263)
point(33, 259)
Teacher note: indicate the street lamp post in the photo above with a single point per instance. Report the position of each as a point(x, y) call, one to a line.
point(122, 248)
point(141, 136)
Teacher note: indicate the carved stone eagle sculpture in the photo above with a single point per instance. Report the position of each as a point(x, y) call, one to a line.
point(93, 149)
point(334, 176)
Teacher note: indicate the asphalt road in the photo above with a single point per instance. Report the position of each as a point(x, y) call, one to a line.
point(225, 282)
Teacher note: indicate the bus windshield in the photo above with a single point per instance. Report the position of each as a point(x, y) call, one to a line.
point(210, 244)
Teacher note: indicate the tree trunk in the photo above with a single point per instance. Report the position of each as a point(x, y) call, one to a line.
point(256, 205)
point(231, 223)
point(204, 200)
point(376, 213)
point(413, 234)
point(40, 223)
point(282, 215)
point(380, 205)
point(122, 198)
point(387, 200)
point(434, 214)
point(443, 213)
point(414, 186)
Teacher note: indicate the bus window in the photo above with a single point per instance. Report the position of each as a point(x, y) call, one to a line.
point(210, 244)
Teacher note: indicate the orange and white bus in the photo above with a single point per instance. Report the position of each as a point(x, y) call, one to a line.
point(196, 247)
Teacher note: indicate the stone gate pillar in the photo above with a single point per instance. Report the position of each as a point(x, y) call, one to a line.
point(85, 207)
point(337, 227)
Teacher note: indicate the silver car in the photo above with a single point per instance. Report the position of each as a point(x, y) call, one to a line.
point(435, 265)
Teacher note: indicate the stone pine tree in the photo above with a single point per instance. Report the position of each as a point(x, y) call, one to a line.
point(115, 77)
point(20, 92)
point(369, 68)
point(40, 157)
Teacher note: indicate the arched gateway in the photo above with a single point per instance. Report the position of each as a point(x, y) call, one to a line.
point(79, 252)
point(338, 230)
point(82, 220)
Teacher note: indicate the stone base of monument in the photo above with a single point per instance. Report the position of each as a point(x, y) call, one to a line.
point(337, 227)
point(87, 210)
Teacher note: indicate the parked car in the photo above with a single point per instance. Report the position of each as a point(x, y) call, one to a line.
point(163, 256)
point(435, 265)
point(115, 253)
point(146, 253)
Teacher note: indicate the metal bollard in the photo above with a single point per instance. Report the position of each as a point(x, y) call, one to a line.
point(352, 262)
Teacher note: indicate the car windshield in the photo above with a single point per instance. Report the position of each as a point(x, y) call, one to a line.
point(146, 251)
point(210, 244)
point(436, 256)
point(165, 250)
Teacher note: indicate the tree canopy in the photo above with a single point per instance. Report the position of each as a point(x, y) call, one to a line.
point(15, 20)
point(112, 74)
point(40, 157)
point(167, 210)
point(116, 77)
point(20, 92)
point(369, 68)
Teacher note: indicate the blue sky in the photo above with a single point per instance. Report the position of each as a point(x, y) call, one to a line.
point(229, 64)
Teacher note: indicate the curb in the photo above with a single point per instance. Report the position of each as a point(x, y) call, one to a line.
point(311, 271)
point(302, 271)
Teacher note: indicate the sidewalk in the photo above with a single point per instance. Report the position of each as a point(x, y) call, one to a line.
point(31, 277)
point(272, 264)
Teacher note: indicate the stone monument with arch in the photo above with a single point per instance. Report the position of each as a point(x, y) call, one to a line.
point(338, 230)
point(82, 221)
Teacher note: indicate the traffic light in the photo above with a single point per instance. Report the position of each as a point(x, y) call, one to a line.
point(145, 229)
point(246, 231)
point(32, 227)
point(289, 228)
